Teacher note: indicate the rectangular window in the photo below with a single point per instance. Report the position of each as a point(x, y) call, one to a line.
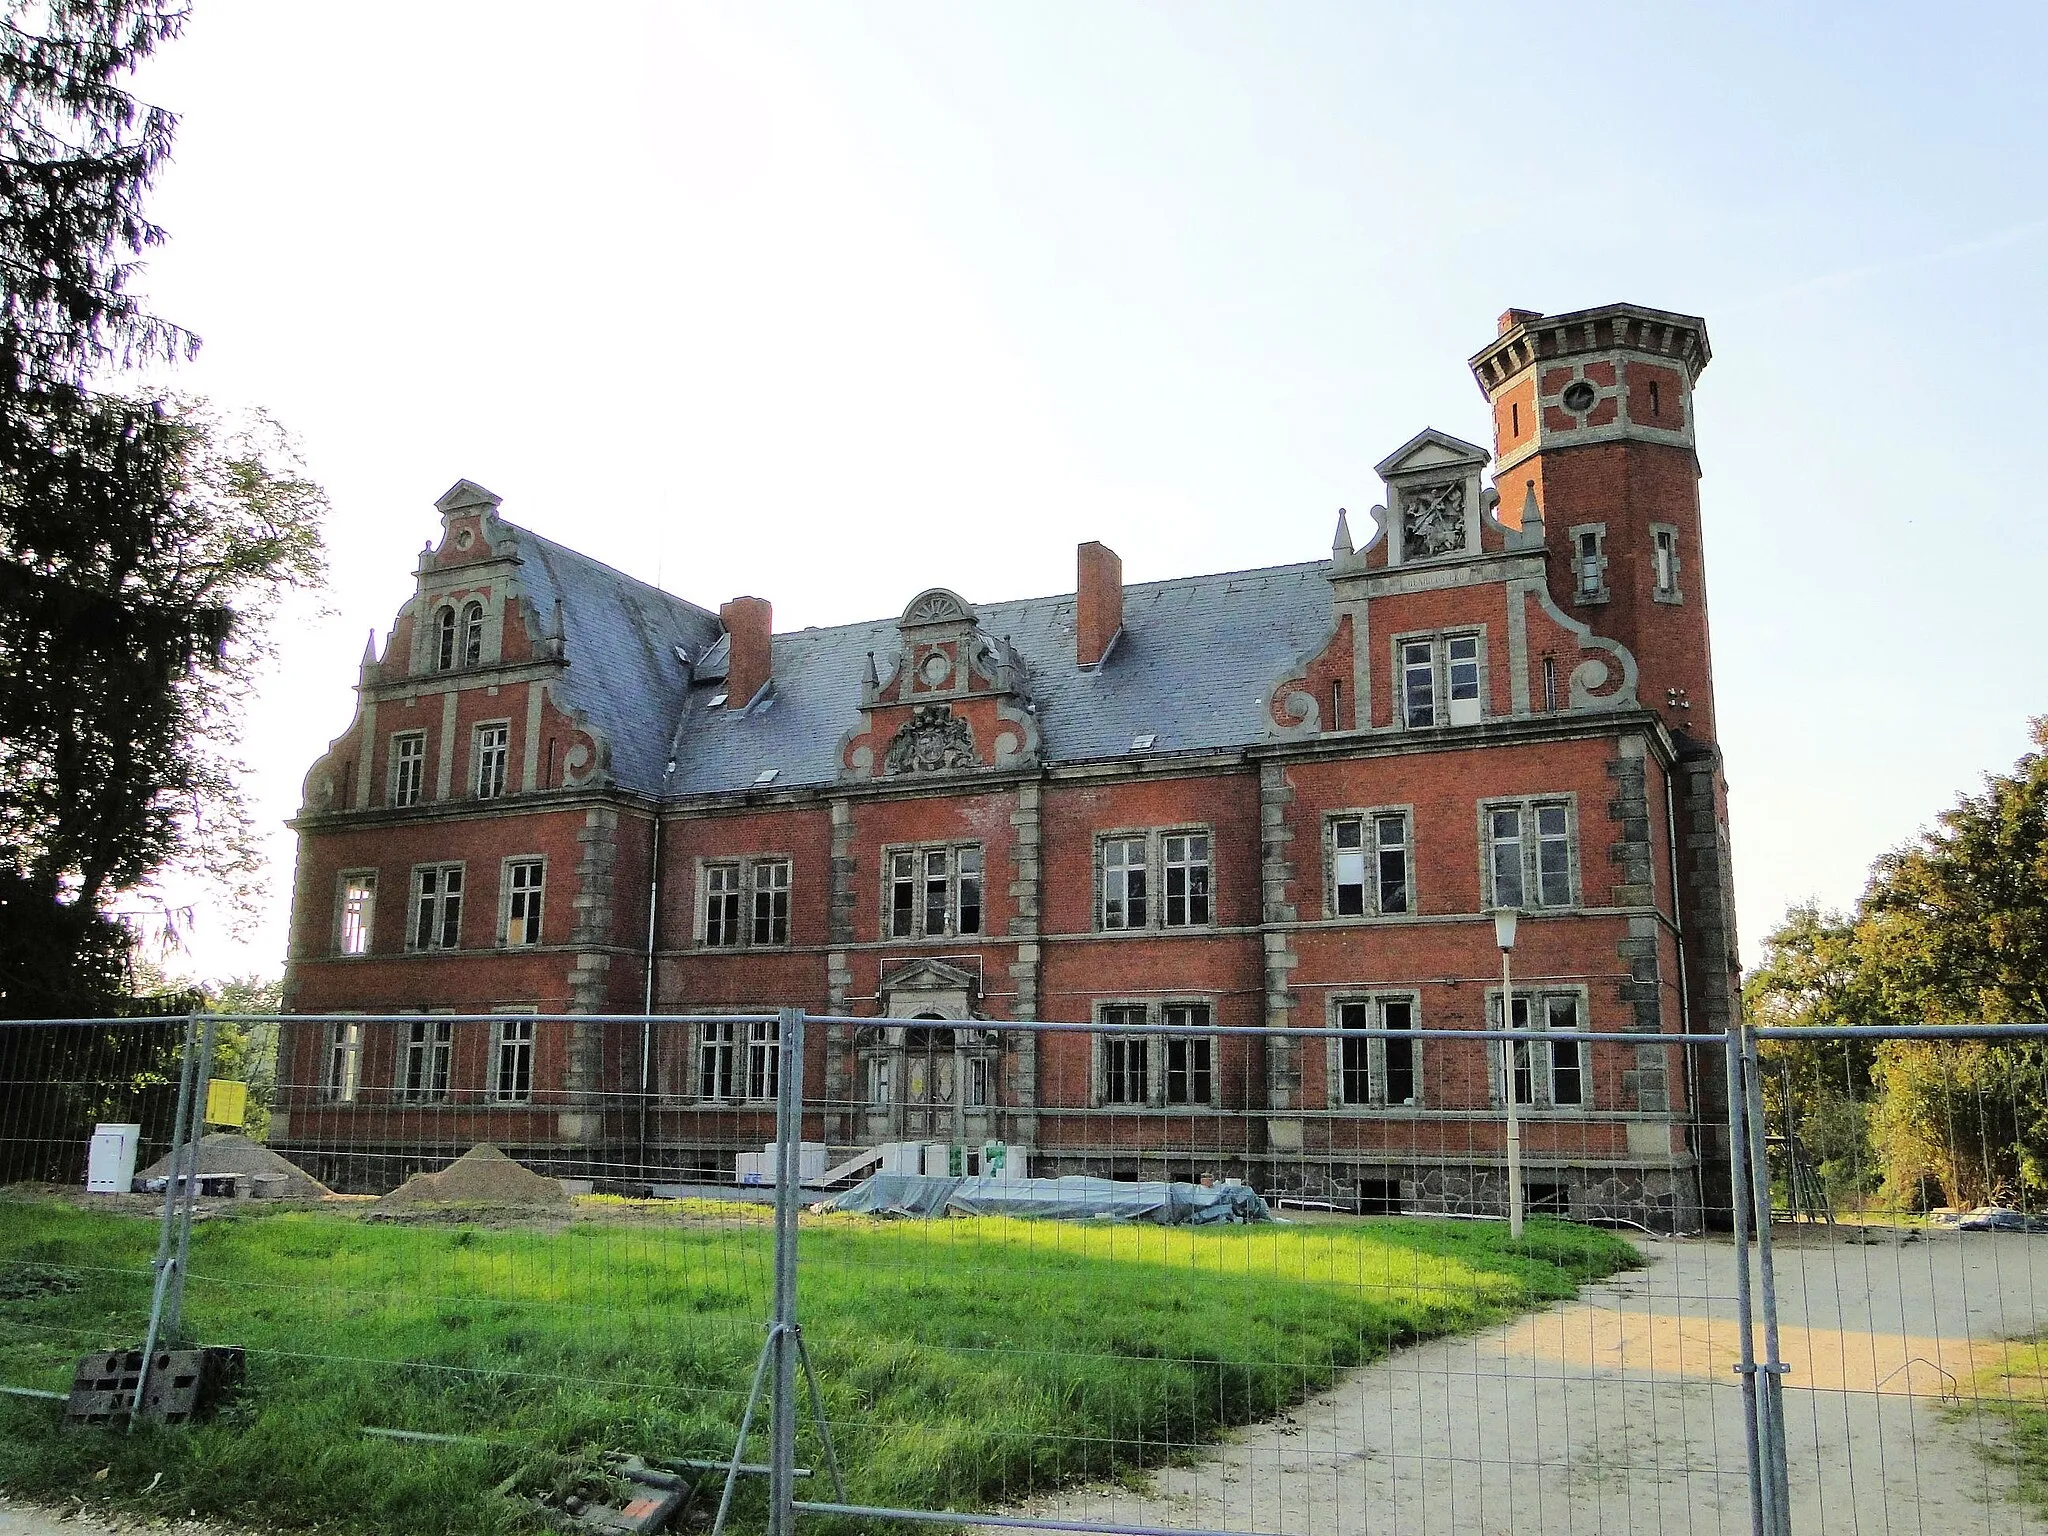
point(763, 1059)
point(437, 906)
point(1547, 1074)
point(1504, 849)
point(721, 905)
point(717, 1057)
point(522, 901)
point(358, 912)
point(1589, 564)
point(1390, 838)
point(429, 1051)
point(408, 767)
point(938, 890)
point(1461, 671)
point(978, 1081)
point(902, 895)
point(1190, 1062)
point(970, 890)
point(1187, 879)
point(933, 892)
point(1553, 856)
point(1123, 882)
point(512, 1062)
point(878, 1080)
point(1664, 559)
point(492, 748)
point(771, 901)
point(1379, 1071)
point(1400, 1054)
point(344, 1062)
point(1354, 1054)
point(1125, 1078)
point(1567, 1076)
point(1418, 682)
point(1347, 865)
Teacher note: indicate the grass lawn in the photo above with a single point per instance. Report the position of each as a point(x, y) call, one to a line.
point(2016, 1390)
point(964, 1362)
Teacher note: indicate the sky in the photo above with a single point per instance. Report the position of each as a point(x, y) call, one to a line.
point(830, 303)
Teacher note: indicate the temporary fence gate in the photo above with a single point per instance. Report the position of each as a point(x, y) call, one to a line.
point(1080, 1375)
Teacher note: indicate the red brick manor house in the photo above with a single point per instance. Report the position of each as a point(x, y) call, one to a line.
point(1285, 797)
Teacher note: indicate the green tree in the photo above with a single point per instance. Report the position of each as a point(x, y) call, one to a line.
point(1819, 1091)
point(1953, 929)
point(143, 542)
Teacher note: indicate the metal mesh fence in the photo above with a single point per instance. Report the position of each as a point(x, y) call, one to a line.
point(1146, 1272)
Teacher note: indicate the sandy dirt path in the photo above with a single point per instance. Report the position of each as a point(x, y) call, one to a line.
point(1619, 1412)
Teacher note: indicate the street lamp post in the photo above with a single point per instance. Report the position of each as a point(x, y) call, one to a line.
point(1504, 935)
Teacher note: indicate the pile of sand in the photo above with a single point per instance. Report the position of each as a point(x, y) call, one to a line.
point(481, 1176)
point(226, 1152)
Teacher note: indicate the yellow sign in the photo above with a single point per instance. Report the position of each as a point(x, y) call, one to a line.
point(227, 1102)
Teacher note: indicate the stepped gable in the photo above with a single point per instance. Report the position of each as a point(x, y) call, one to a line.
point(1193, 667)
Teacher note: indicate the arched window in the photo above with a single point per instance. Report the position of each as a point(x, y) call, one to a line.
point(444, 642)
point(472, 634)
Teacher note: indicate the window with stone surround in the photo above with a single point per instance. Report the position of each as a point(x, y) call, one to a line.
point(932, 890)
point(1548, 1075)
point(1154, 879)
point(1133, 1070)
point(525, 881)
point(745, 902)
point(513, 1039)
point(342, 1073)
point(1529, 850)
point(1371, 859)
point(437, 906)
point(444, 639)
point(1664, 563)
point(1440, 678)
point(426, 1060)
point(358, 911)
point(738, 1062)
point(408, 767)
point(1589, 563)
point(1369, 1070)
point(493, 748)
point(472, 634)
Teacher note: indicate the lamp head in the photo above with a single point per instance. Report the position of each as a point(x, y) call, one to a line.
point(1504, 919)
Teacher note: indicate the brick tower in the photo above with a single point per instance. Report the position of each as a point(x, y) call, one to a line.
point(1593, 432)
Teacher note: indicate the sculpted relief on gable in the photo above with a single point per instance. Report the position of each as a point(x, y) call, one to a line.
point(1432, 520)
point(932, 740)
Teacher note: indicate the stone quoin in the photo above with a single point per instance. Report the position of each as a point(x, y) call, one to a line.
point(1285, 797)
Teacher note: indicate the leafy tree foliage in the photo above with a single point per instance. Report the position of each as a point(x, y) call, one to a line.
point(142, 541)
point(1952, 929)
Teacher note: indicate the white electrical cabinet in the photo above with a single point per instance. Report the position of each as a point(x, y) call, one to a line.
point(110, 1159)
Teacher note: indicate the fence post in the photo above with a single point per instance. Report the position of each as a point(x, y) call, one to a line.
point(1760, 1490)
point(789, 1137)
point(195, 1132)
point(165, 1259)
point(1771, 1397)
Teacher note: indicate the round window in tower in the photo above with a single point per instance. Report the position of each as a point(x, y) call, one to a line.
point(1579, 396)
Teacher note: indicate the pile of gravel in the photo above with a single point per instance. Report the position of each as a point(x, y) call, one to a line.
point(481, 1176)
point(226, 1152)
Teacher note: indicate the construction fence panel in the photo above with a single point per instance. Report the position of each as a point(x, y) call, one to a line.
point(1274, 1289)
point(1907, 1172)
point(1281, 1294)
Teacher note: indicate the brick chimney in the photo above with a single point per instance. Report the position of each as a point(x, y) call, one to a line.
point(751, 622)
point(1515, 317)
point(1098, 602)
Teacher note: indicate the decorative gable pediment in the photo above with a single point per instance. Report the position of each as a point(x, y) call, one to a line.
point(955, 699)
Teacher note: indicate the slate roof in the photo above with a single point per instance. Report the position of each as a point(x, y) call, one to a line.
point(621, 635)
point(1194, 667)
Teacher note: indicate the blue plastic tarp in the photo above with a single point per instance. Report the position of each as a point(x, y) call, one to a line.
point(1069, 1199)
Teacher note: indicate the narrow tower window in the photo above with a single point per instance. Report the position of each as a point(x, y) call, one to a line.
point(444, 640)
point(472, 634)
point(1656, 407)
